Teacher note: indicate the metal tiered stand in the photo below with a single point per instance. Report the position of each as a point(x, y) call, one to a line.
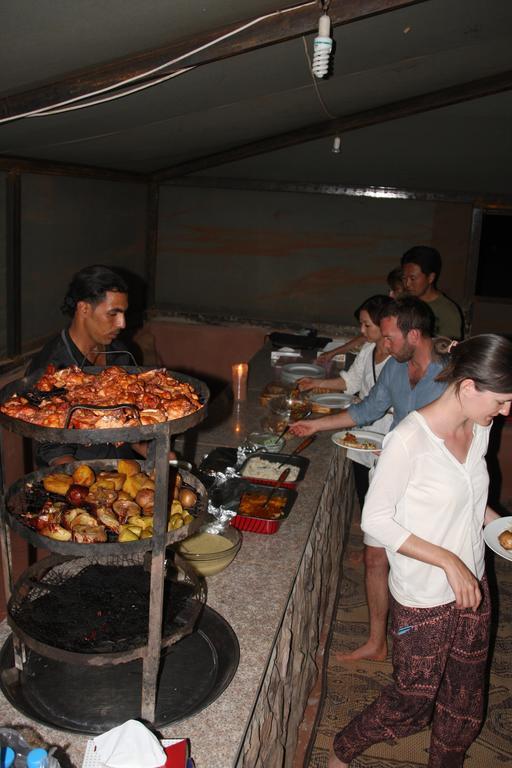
point(151, 550)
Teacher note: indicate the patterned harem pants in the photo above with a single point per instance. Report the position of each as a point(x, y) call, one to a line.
point(439, 662)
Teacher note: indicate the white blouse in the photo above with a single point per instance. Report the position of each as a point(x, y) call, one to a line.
point(420, 488)
point(359, 380)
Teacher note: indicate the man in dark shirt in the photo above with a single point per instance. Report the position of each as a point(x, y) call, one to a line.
point(96, 300)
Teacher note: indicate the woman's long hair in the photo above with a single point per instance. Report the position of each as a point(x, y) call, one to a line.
point(485, 359)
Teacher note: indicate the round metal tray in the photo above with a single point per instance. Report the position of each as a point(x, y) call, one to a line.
point(91, 436)
point(193, 673)
point(15, 499)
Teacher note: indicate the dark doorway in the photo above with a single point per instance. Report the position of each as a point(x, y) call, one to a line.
point(494, 275)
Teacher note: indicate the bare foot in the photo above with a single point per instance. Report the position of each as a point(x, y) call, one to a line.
point(370, 650)
point(334, 762)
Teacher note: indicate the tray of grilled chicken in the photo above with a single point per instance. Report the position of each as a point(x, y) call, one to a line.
point(92, 405)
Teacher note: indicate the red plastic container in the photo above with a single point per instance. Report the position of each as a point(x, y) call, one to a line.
point(255, 524)
point(261, 524)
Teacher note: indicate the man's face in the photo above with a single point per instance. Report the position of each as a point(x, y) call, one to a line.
point(416, 282)
point(105, 320)
point(394, 341)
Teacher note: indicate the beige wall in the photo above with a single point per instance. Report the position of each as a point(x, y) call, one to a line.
point(295, 257)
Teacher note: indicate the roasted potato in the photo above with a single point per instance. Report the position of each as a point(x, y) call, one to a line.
point(58, 482)
point(128, 467)
point(83, 475)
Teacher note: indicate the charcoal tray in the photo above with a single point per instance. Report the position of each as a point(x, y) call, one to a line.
point(193, 673)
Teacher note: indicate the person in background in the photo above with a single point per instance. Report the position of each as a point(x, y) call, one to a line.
point(407, 382)
point(396, 289)
point(430, 514)
point(421, 267)
point(360, 378)
point(395, 283)
point(97, 301)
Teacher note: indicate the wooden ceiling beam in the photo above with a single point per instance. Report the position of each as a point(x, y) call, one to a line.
point(445, 97)
point(303, 20)
point(27, 165)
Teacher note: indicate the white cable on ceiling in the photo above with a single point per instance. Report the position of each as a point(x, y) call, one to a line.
point(52, 109)
point(72, 107)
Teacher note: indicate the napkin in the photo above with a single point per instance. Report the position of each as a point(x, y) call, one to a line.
point(130, 745)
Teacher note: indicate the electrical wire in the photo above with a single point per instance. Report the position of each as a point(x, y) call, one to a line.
point(315, 84)
point(43, 111)
point(114, 96)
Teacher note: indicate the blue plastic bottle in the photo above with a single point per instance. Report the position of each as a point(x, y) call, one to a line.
point(7, 756)
point(37, 758)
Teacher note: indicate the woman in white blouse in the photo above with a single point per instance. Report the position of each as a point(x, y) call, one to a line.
point(360, 378)
point(427, 504)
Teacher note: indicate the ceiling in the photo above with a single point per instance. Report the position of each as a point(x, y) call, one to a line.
point(256, 112)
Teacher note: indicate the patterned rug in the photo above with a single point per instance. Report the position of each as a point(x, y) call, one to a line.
point(351, 686)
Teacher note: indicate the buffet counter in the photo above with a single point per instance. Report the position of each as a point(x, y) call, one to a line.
point(278, 596)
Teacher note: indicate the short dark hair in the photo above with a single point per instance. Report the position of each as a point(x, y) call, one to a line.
point(428, 259)
point(375, 306)
point(412, 314)
point(486, 359)
point(395, 278)
point(91, 284)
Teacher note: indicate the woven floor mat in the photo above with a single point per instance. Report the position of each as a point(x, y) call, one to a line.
point(351, 686)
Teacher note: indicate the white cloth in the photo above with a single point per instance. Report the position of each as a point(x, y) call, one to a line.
point(359, 380)
point(420, 488)
point(130, 745)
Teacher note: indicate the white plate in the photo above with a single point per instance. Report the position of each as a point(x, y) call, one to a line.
point(331, 399)
point(491, 533)
point(362, 435)
point(295, 371)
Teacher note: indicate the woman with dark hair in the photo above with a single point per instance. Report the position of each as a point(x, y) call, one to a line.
point(364, 371)
point(427, 504)
point(360, 378)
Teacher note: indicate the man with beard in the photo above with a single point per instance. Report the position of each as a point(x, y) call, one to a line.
point(406, 383)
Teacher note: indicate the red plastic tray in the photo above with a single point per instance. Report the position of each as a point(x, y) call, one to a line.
point(260, 524)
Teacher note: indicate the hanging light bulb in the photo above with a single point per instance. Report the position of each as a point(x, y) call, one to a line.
point(322, 47)
point(336, 145)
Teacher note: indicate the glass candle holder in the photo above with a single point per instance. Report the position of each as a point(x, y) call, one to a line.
point(239, 373)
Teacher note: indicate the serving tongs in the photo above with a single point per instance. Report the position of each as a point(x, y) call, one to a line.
point(36, 396)
point(301, 446)
point(85, 407)
point(282, 477)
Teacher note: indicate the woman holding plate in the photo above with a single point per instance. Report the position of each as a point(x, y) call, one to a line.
point(360, 378)
point(427, 505)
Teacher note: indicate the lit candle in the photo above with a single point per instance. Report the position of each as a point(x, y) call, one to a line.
point(239, 372)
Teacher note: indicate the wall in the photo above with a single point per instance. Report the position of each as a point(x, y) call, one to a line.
point(295, 257)
point(3, 297)
point(67, 224)
point(204, 351)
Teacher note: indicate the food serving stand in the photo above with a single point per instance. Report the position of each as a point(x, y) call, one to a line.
point(153, 549)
